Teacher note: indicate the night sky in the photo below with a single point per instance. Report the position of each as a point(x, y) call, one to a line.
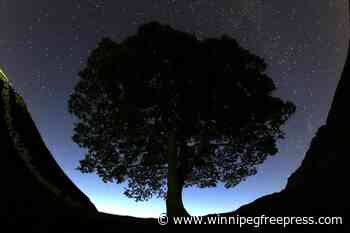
point(43, 45)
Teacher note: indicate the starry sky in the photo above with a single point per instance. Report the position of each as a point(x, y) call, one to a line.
point(43, 45)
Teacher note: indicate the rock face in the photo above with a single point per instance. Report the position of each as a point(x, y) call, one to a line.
point(36, 195)
point(34, 189)
point(319, 187)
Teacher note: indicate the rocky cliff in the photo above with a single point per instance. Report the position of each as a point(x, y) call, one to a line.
point(36, 195)
point(319, 187)
point(34, 188)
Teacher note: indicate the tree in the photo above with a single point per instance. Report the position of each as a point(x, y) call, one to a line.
point(163, 110)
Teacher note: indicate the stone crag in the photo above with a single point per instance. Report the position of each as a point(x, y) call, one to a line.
point(36, 194)
point(319, 186)
point(34, 189)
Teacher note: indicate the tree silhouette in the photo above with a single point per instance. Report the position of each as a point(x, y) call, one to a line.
point(163, 110)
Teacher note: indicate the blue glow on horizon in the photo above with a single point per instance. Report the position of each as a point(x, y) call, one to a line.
point(109, 198)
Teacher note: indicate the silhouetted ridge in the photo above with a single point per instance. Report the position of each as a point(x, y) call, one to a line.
point(32, 150)
point(318, 186)
point(35, 192)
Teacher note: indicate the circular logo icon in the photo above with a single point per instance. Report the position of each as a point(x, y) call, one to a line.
point(163, 219)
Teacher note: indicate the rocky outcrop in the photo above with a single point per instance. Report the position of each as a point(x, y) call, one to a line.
point(319, 187)
point(36, 195)
point(34, 188)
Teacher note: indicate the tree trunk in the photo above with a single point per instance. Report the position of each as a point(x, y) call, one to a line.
point(174, 203)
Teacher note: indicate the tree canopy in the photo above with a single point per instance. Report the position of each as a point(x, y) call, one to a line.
point(208, 102)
